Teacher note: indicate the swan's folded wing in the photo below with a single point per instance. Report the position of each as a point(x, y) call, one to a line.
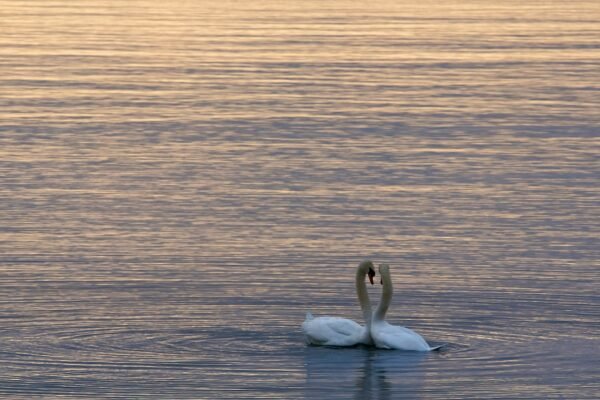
point(400, 338)
point(332, 331)
point(344, 326)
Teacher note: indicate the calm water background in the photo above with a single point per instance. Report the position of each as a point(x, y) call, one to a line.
point(181, 183)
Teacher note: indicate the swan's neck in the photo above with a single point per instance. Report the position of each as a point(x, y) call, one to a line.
point(386, 297)
point(363, 297)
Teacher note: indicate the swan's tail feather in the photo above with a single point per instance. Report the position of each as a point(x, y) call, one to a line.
point(437, 348)
point(309, 316)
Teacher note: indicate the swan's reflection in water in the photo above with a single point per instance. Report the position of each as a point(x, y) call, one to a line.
point(363, 373)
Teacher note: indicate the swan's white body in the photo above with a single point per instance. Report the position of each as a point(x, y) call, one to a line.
point(336, 331)
point(388, 336)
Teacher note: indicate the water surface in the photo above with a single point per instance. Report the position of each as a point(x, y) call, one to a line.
point(181, 183)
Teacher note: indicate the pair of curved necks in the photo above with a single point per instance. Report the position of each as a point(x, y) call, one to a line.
point(363, 295)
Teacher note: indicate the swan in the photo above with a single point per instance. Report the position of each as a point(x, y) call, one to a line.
point(388, 336)
point(336, 331)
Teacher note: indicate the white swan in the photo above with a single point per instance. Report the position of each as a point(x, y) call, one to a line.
point(336, 331)
point(388, 336)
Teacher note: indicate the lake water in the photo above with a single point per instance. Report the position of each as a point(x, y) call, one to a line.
point(180, 183)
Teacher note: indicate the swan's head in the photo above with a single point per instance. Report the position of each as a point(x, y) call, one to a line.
point(383, 269)
point(368, 267)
